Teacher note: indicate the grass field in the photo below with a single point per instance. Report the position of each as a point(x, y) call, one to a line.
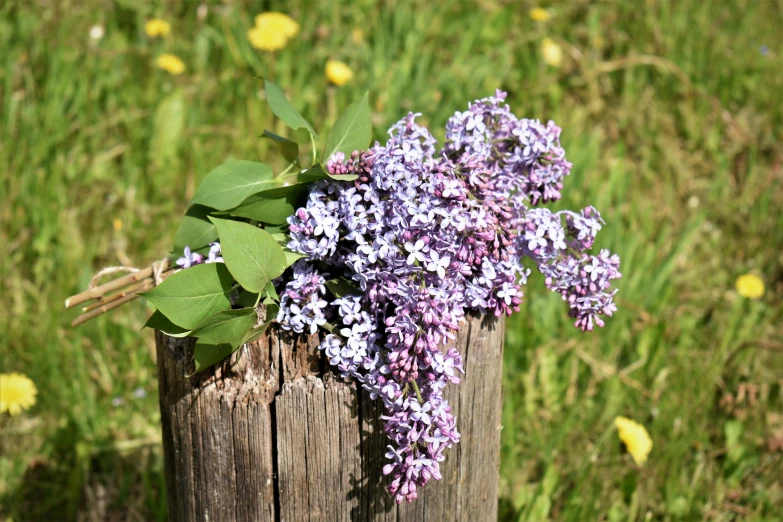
point(672, 116)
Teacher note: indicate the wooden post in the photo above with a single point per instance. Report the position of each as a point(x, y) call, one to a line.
point(274, 435)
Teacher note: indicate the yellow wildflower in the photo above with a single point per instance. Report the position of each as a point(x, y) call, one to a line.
point(170, 63)
point(338, 73)
point(539, 14)
point(551, 52)
point(636, 439)
point(357, 36)
point(17, 393)
point(157, 27)
point(750, 286)
point(117, 224)
point(272, 31)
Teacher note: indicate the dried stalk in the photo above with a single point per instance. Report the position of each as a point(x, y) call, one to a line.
point(102, 309)
point(100, 291)
point(129, 286)
point(147, 284)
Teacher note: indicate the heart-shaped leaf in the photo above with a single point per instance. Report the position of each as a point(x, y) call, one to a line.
point(284, 110)
point(251, 254)
point(227, 326)
point(289, 149)
point(255, 333)
point(290, 256)
point(231, 183)
point(191, 295)
point(205, 355)
point(273, 206)
point(158, 321)
point(352, 130)
point(195, 230)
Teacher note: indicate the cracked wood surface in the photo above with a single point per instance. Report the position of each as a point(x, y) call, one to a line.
point(273, 435)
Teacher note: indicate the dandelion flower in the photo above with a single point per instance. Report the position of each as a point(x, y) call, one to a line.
point(551, 52)
point(636, 439)
point(338, 73)
point(117, 224)
point(170, 64)
point(17, 393)
point(157, 27)
point(539, 14)
point(750, 286)
point(272, 31)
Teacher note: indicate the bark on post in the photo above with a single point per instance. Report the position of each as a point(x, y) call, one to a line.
point(274, 435)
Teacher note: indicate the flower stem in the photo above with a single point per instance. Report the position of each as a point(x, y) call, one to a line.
point(416, 389)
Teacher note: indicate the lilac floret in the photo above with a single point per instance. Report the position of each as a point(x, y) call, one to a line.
point(189, 258)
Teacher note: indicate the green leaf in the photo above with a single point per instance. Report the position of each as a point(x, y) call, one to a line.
point(205, 355)
point(284, 110)
point(273, 206)
point(352, 130)
point(314, 173)
point(251, 254)
point(168, 126)
point(158, 321)
point(246, 299)
point(271, 313)
point(274, 229)
point(227, 326)
point(231, 183)
point(340, 287)
point(344, 177)
point(290, 256)
point(271, 309)
point(270, 291)
point(191, 295)
point(195, 230)
point(289, 149)
point(318, 173)
point(255, 333)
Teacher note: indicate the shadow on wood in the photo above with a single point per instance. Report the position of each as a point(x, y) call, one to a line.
point(273, 434)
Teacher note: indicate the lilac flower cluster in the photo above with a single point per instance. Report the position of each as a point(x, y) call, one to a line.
point(525, 156)
point(426, 235)
point(423, 236)
point(194, 258)
point(527, 166)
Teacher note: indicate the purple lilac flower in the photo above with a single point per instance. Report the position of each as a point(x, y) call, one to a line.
point(190, 258)
point(302, 306)
point(525, 156)
point(425, 235)
point(214, 255)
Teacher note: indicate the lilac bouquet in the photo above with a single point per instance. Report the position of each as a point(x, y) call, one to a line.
point(386, 248)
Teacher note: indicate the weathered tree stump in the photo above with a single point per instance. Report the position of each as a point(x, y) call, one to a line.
point(274, 435)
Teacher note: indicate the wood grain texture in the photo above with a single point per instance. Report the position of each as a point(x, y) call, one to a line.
point(273, 435)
